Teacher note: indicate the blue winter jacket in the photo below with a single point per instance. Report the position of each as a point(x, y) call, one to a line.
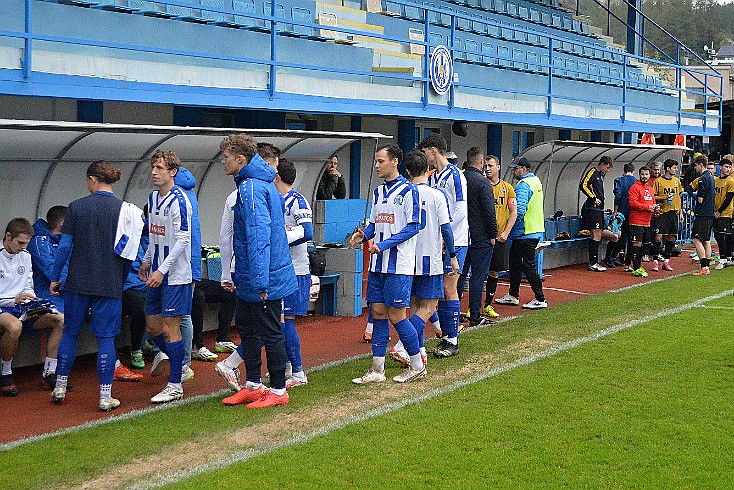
point(133, 281)
point(185, 180)
point(262, 259)
point(42, 248)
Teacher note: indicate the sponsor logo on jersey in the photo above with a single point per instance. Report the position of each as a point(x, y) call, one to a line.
point(158, 230)
point(385, 218)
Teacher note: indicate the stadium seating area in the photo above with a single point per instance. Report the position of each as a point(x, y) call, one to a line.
point(531, 37)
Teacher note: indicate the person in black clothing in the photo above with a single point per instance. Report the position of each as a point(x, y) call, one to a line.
point(592, 212)
point(482, 232)
point(332, 185)
point(703, 214)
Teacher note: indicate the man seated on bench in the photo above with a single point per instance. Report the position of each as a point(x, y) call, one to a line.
point(20, 310)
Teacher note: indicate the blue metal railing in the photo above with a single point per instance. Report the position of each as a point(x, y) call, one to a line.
point(555, 55)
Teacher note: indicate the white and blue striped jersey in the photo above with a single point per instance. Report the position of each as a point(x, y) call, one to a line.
point(395, 204)
point(297, 212)
point(429, 244)
point(453, 183)
point(169, 250)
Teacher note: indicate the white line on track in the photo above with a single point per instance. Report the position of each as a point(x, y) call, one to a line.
point(242, 456)
point(558, 289)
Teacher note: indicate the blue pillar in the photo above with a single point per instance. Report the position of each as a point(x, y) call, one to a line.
point(355, 160)
point(627, 137)
point(596, 136)
point(406, 138)
point(634, 22)
point(564, 134)
point(188, 116)
point(494, 140)
point(90, 111)
point(618, 137)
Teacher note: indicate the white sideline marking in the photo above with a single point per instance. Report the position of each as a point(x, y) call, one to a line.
point(558, 289)
point(242, 456)
point(717, 307)
point(144, 411)
point(637, 285)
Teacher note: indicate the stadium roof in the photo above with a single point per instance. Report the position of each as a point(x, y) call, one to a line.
point(584, 152)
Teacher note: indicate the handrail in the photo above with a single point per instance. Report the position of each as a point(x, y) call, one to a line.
point(557, 48)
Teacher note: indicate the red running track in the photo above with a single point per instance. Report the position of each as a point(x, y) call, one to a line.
point(323, 339)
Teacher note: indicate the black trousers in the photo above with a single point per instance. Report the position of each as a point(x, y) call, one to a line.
point(133, 304)
point(207, 291)
point(522, 261)
point(261, 322)
point(478, 259)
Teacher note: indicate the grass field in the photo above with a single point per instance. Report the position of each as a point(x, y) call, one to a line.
point(625, 389)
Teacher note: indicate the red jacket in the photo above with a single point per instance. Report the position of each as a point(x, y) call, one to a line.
point(641, 197)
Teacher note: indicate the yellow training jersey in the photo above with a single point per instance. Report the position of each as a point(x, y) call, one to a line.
point(504, 197)
point(671, 189)
point(724, 186)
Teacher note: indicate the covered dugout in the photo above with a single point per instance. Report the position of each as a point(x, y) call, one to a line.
point(43, 164)
point(561, 165)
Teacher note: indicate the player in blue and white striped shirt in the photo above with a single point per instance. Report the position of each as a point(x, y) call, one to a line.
point(166, 268)
point(449, 179)
point(299, 229)
point(394, 223)
point(435, 232)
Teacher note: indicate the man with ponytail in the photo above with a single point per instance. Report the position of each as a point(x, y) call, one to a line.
point(95, 249)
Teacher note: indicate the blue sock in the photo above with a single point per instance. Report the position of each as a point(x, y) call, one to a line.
point(66, 354)
point(434, 317)
point(160, 342)
point(380, 337)
point(292, 344)
point(176, 355)
point(369, 315)
point(106, 359)
point(448, 313)
point(408, 336)
point(420, 326)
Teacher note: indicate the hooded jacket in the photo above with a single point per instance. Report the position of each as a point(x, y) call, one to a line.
point(43, 248)
point(185, 180)
point(262, 259)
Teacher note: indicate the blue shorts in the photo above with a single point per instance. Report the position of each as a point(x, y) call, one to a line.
point(104, 321)
point(427, 287)
point(296, 304)
point(460, 256)
point(17, 312)
point(169, 300)
point(392, 290)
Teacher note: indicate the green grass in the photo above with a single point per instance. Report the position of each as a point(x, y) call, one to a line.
point(648, 407)
point(590, 416)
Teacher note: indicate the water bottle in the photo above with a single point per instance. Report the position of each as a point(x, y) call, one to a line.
point(670, 198)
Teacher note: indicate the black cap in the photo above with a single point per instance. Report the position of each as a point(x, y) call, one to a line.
point(520, 162)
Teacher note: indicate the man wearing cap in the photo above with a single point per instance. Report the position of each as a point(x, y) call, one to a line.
point(527, 231)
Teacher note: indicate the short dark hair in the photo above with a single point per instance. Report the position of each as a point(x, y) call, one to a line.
point(416, 163)
point(286, 171)
point(393, 151)
point(169, 158)
point(55, 216)
point(669, 163)
point(629, 167)
point(701, 159)
point(266, 150)
point(434, 140)
point(606, 160)
point(492, 157)
point(19, 226)
point(644, 168)
point(473, 154)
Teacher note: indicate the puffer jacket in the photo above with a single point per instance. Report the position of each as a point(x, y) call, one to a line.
point(185, 180)
point(262, 259)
